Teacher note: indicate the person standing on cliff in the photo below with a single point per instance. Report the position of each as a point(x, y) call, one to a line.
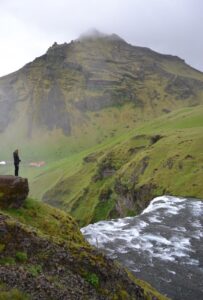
point(16, 161)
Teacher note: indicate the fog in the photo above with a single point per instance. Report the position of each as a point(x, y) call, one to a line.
point(28, 28)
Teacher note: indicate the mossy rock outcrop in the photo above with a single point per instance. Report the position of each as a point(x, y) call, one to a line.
point(13, 191)
point(44, 255)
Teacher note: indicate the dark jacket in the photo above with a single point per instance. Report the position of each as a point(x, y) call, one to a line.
point(16, 158)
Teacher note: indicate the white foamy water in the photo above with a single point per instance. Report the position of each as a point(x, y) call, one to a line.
point(164, 244)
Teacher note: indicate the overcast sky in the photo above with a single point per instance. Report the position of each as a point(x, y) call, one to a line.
point(29, 27)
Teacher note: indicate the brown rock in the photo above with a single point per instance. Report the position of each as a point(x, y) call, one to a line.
point(13, 191)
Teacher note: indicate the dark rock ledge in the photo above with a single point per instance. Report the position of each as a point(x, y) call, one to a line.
point(13, 191)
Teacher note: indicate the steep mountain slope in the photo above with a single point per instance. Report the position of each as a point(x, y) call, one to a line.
point(44, 255)
point(81, 93)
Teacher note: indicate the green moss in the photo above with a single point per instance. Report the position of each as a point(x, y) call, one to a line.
point(131, 213)
point(149, 291)
point(11, 294)
point(35, 270)
point(21, 256)
point(47, 220)
point(7, 261)
point(93, 279)
point(123, 295)
point(103, 210)
point(2, 247)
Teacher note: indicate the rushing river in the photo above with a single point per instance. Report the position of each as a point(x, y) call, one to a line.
point(163, 245)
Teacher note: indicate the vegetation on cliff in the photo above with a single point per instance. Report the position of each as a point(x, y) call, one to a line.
point(44, 255)
point(162, 157)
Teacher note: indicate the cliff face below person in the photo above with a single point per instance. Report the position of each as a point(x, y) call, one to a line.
point(13, 191)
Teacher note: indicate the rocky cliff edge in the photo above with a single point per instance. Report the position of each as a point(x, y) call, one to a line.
point(13, 191)
point(43, 255)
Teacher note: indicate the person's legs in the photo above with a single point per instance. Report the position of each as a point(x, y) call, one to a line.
point(16, 170)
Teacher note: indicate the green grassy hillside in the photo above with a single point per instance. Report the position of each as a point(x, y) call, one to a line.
point(43, 255)
point(162, 157)
point(120, 176)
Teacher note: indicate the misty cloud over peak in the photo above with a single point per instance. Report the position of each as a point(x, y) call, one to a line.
point(92, 33)
point(95, 34)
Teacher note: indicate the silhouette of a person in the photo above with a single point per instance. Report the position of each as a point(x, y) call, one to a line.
point(16, 161)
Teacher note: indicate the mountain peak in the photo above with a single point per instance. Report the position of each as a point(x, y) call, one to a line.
point(95, 34)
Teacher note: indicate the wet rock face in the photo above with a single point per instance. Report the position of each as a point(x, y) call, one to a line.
point(13, 191)
point(134, 199)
